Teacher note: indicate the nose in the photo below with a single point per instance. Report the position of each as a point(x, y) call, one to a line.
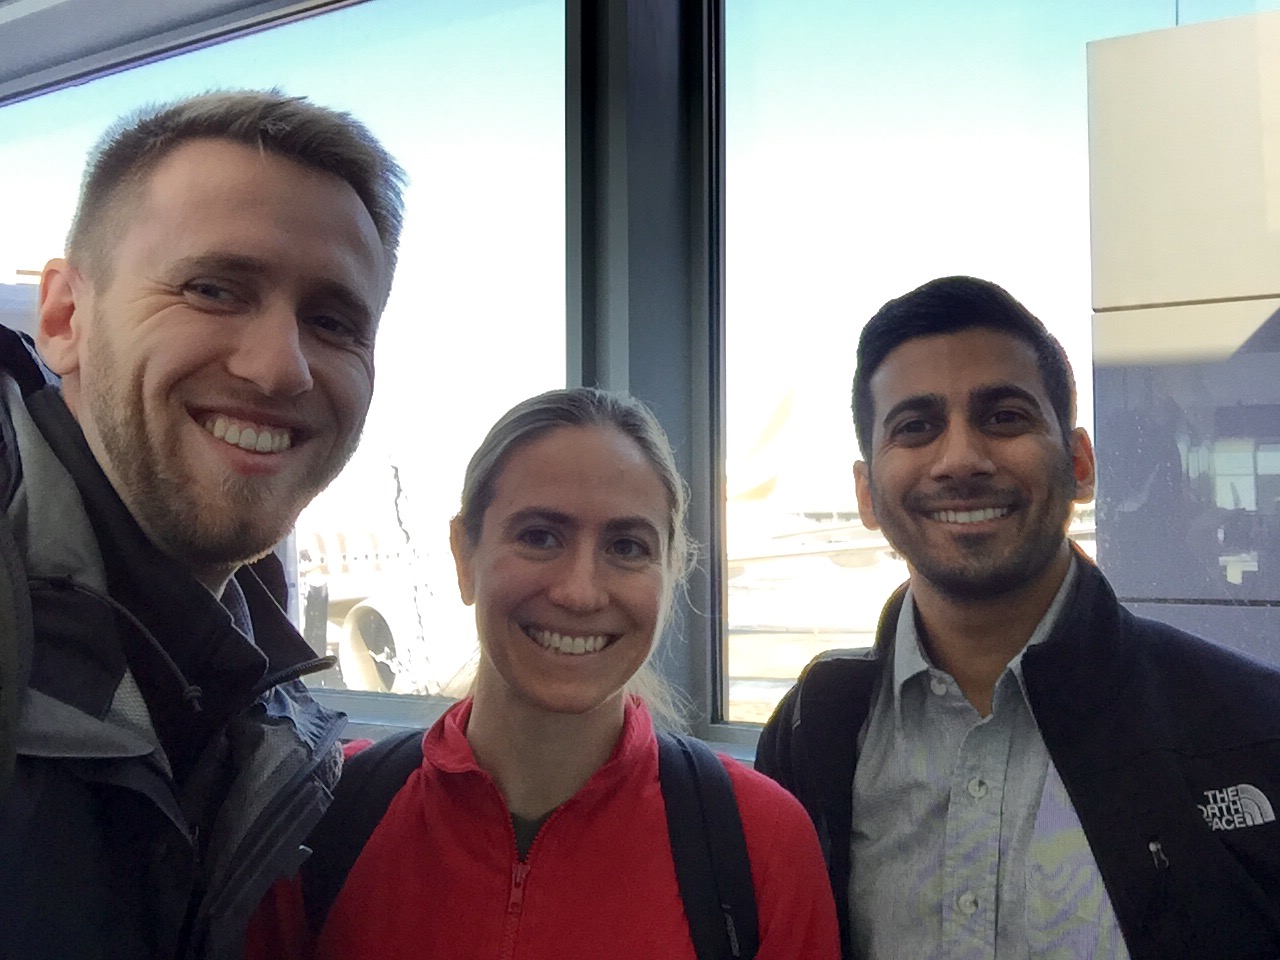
point(578, 584)
point(270, 354)
point(962, 452)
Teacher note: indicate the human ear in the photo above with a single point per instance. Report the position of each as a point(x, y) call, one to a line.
point(862, 485)
point(1083, 466)
point(463, 550)
point(62, 305)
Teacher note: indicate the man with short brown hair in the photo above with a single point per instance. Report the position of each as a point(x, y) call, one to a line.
point(208, 348)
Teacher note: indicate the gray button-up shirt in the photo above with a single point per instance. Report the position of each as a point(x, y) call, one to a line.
point(965, 844)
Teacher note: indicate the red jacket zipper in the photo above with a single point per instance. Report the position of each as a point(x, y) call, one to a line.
point(515, 904)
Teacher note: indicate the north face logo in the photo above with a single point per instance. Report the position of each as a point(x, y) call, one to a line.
point(1234, 807)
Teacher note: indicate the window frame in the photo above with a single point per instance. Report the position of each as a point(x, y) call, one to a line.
point(645, 275)
point(53, 44)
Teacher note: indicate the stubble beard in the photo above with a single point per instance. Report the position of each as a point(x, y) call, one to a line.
point(199, 528)
point(978, 575)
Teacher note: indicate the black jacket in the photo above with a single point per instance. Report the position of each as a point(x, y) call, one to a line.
point(1141, 720)
point(162, 770)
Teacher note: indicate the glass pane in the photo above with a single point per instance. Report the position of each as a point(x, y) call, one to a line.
point(469, 96)
point(872, 147)
point(1269, 458)
point(1233, 456)
point(1187, 329)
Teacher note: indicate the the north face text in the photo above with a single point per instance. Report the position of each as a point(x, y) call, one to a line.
point(1235, 807)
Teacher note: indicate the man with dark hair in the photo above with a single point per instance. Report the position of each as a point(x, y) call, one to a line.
point(1020, 767)
point(205, 365)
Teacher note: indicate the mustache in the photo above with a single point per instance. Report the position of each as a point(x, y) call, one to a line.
point(946, 495)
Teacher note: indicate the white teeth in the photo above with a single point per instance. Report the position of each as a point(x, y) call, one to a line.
point(573, 646)
point(970, 516)
point(254, 437)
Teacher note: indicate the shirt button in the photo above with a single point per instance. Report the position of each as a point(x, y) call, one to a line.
point(967, 903)
point(937, 686)
point(977, 788)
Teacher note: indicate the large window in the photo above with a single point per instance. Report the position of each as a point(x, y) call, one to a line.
point(872, 147)
point(469, 96)
point(868, 147)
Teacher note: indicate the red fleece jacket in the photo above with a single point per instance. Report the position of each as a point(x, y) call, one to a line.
point(439, 877)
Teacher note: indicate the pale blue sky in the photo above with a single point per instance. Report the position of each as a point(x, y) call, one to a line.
point(873, 146)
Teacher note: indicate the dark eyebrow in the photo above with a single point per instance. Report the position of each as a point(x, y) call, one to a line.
point(986, 397)
point(921, 403)
point(220, 263)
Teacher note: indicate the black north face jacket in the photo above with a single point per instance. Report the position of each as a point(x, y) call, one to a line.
point(1168, 745)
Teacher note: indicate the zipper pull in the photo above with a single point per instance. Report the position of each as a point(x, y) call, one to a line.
point(1157, 854)
point(518, 874)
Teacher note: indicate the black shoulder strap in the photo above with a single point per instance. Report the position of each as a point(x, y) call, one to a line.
point(369, 780)
point(709, 849)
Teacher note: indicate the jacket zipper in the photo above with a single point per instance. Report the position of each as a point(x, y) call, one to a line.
point(287, 807)
point(519, 871)
point(515, 905)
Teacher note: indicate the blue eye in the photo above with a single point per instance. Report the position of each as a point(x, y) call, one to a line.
point(209, 290)
point(333, 326)
point(538, 538)
point(630, 548)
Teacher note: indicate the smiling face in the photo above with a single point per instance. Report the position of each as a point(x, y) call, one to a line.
point(570, 574)
point(969, 478)
point(223, 368)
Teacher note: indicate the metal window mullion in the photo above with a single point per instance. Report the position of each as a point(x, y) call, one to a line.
point(645, 265)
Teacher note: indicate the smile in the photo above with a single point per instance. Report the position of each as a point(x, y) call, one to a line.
point(573, 646)
point(254, 437)
point(970, 516)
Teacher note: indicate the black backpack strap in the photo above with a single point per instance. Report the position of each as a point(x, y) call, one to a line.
point(369, 780)
point(709, 849)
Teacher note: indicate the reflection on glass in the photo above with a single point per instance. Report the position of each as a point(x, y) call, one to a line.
point(1191, 511)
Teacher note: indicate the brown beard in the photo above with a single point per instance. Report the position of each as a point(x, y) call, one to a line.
point(200, 531)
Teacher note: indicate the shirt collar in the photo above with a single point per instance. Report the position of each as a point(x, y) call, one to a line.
point(234, 600)
point(910, 659)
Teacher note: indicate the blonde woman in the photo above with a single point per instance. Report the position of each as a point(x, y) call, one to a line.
point(535, 825)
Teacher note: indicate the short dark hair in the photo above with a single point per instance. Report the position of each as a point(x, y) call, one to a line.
point(292, 127)
point(950, 305)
